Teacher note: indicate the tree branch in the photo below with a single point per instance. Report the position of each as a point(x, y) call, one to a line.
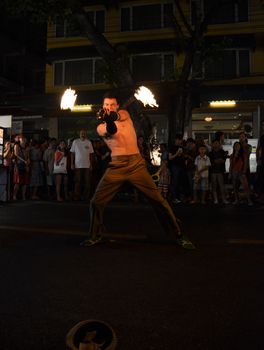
point(183, 17)
point(122, 74)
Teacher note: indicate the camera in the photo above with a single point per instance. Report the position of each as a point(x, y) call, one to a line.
point(106, 116)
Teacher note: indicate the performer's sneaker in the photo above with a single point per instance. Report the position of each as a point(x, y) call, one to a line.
point(184, 241)
point(99, 238)
point(91, 241)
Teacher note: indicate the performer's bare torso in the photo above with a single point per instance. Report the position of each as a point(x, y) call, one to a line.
point(124, 141)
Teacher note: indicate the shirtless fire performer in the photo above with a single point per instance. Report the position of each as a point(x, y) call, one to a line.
point(118, 131)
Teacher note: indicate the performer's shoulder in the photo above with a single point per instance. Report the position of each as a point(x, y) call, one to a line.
point(123, 115)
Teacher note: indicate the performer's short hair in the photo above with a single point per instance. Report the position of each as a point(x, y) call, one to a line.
point(218, 135)
point(110, 94)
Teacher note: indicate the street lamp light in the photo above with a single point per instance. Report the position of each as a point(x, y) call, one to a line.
point(226, 103)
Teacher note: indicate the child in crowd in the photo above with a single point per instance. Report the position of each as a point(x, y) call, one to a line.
point(202, 164)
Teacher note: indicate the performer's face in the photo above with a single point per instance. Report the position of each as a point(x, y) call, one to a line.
point(110, 104)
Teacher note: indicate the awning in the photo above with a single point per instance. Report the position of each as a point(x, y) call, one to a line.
point(237, 93)
point(133, 47)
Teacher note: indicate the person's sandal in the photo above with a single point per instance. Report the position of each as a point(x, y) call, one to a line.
point(184, 242)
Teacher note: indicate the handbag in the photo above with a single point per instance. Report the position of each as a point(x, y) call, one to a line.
point(60, 167)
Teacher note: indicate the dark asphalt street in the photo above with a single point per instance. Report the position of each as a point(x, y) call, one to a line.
point(154, 294)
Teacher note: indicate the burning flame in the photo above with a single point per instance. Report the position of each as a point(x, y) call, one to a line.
point(144, 95)
point(68, 99)
point(68, 102)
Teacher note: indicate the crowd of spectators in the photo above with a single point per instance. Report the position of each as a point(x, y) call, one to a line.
point(54, 169)
point(191, 171)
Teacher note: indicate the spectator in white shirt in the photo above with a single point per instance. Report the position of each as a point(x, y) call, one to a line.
point(81, 163)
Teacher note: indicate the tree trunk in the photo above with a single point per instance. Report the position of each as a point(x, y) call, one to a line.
point(123, 79)
point(115, 61)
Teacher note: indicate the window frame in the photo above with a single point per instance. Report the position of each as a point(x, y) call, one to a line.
point(73, 36)
point(130, 7)
point(162, 54)
point(236, 14)
point(237, 72)
point(63, 62)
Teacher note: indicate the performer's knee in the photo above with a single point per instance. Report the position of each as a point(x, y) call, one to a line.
point(96, 202)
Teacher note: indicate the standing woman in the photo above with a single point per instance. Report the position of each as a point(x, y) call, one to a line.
point(21, 167)
point(238, 172)
point(164, 180)
point(60, 171)
point(36, 176)
point(8, 165)
point(259, 179)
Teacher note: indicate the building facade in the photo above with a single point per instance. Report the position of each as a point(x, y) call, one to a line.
point(237, 76)
point(144, 32)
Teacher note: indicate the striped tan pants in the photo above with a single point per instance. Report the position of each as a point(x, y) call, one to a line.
point(130, 169)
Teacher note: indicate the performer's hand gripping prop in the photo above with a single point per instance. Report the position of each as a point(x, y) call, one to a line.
point(109, 117)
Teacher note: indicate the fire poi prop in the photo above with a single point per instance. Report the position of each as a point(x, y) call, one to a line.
point(145, 95)
point(142, 94)
point(69, 97)
point(68, 102)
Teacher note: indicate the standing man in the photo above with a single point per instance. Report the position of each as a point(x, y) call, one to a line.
point(177, 165)
point(246, 147)
point(220, 137)
point(127, 164)
point(81, 163)
point(48, 159)
point(218, 158)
